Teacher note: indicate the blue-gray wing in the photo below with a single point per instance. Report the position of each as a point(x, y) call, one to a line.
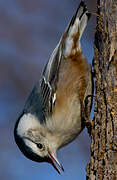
point(48, 80)
point(43, 96)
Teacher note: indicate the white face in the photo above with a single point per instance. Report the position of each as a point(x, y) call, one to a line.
point(38, 148)
point(31, 142)
point(35, 141)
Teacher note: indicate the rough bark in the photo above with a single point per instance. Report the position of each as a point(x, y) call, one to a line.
point(103, 161)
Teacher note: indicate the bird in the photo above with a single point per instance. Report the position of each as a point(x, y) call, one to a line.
point(54, 113)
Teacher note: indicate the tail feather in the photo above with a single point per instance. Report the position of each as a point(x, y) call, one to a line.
point(76, 28)
point(69, 44)
point(82, 16)
point(80, 10)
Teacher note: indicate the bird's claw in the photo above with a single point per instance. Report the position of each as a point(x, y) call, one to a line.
point(89, 125)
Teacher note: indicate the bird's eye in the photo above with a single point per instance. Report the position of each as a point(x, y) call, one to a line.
point(40, 146)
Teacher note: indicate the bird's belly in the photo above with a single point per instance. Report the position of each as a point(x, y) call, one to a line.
point(66, 123)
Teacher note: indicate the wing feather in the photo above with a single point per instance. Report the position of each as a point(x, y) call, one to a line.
point(49, 79)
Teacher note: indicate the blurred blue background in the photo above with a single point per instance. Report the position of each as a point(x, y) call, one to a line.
point(29, 31)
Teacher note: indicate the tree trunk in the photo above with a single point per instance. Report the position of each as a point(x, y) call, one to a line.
point(103, 161)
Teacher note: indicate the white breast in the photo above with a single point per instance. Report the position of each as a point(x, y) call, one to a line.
point(66, 123)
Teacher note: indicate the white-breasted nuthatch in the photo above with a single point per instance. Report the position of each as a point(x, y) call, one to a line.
point(54, 113)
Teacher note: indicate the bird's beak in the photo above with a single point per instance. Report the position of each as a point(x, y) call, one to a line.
point(55, 162)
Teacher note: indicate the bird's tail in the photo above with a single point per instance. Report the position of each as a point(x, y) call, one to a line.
point(69, 43)
point(74, 31)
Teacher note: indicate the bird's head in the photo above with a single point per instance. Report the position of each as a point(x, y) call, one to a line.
point(35, 142)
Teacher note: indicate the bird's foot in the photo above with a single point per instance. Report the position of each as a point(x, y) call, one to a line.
point(89, 125)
